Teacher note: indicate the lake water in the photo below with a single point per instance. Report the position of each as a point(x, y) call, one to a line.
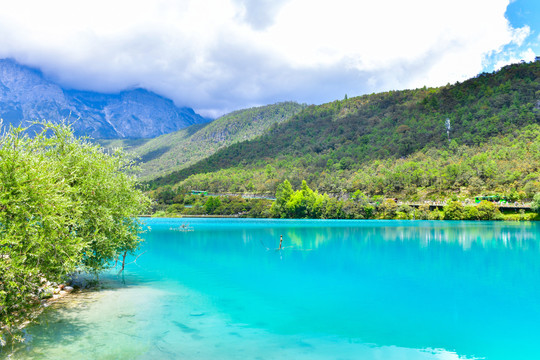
point(337, 290)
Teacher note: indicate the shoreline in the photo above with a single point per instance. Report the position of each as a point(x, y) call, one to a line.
point(182, 216)
point(55, 294)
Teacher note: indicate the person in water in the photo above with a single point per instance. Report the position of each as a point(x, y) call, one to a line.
point(280, 241)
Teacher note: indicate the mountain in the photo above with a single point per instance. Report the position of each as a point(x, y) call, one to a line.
point(185, 147)
point(26, 95)
point(362, 138)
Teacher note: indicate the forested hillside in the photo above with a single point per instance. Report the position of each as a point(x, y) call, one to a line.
point(187, 146)
point(367, 143)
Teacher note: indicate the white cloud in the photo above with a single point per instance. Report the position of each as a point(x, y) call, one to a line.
point(528, 55)
point(513, 58)
point(219, 55)
point(520, 34)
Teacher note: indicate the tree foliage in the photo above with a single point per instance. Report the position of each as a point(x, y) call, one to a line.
point(65, 204)
point(453, 211)
point(535, 205)
point(342, 136)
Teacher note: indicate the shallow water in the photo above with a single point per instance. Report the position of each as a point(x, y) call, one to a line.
point(337, 290)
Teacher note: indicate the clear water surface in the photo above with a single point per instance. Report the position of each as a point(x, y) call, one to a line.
point(337, 290)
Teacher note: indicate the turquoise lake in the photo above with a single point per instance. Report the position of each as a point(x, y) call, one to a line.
point(337, 290)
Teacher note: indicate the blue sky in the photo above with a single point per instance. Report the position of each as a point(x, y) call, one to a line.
point(520, 14)
point(222, 55)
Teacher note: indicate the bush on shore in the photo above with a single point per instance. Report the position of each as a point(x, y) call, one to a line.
point(65, 204)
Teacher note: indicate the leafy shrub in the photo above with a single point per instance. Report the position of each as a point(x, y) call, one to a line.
point(65, 204)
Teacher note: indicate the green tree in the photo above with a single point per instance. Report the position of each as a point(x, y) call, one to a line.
point(212, 203)
point(488, 211)
point(165, 195)
point(471, 213)
point(453, 211)
point(405, 212)
point(64, 204)
point(104, 189)
point(388, 209)
point(296, 207)
point(283, 195)
point(535, 204)
point(423, 212)
point(37, 218)
point(175, 209)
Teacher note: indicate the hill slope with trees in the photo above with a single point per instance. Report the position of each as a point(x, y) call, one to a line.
point(347, 145)
point(185, 147)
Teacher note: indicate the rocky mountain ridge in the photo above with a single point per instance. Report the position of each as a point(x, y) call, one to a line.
point(26, 95)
